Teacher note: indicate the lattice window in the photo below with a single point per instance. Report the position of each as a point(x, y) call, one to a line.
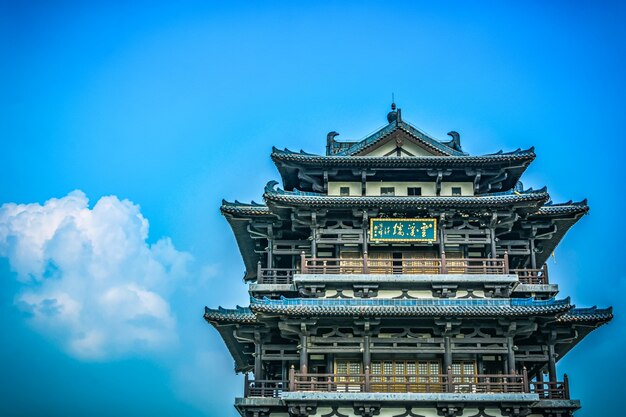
point(380, 262)
point(420, 262)
point(455, 266)
point(406, 376)
point(464, 372)
point(351, 262)
point(348, 375)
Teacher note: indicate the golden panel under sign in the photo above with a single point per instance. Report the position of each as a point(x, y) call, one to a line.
point(403, 230)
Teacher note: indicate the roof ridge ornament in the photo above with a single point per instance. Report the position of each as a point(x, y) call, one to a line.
point(455, 143)
point(393, 115)
point(271, 187)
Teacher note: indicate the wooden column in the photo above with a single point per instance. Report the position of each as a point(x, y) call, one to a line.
point(314, 235)
point(540, 385)
point(510, 355)
point(442, 237)
point(270, 247)
point(304, 356)
point(533, 258)
point(314, 242)
point(494, 253)
point(540, 375)
point(365, 227)
point(447, 353)
point(551, 362)
point(330, 363)
point(258, 358)
point(363, 183)
point(367, 357)
point(246, 385)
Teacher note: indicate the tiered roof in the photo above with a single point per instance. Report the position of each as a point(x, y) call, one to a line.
point(413, 307)
point(435, 161)
point(260, 310)
point(562, 309)
point(357, 148)
point(529, 198)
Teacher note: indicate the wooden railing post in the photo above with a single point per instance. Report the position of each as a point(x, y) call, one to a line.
point(246, 386)
point(506, 262)
point(449, 380)
point(366, 269)
point(444, 267)
point(303, 268)
point(526, 385)
point(292, 378)
point(565, 387)
point(367, 379)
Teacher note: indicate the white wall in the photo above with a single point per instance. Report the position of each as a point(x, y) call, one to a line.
point(373, 188)
point(334, 188)
point(467, 188)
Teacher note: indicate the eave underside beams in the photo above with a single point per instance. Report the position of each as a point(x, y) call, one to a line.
point(485, 180)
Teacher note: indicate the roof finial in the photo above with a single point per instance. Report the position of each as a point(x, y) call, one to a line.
point(392, 116)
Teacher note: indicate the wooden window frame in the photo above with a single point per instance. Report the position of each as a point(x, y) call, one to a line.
point(391, 191)
point(409, 191)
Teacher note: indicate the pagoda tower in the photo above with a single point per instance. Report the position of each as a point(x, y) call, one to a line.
point(398, 276)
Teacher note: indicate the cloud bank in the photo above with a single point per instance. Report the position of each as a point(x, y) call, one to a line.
point(89, 278)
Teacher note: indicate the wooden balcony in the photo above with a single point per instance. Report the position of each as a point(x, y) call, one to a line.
point(401, 266)
point(264, 388)
point(276, 276)
point(532, 276)
point(405, 383)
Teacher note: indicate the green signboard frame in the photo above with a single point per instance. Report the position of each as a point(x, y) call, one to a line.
point(403, 230)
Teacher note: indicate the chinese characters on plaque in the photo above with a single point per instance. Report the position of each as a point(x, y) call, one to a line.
point(403, 230)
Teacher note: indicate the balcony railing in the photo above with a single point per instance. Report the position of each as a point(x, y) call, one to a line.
point(442, 265)
point(401, 266)
point(275, 275)
point(264, 388)
point(551, 390)
point(532, 276)
point(405, 383)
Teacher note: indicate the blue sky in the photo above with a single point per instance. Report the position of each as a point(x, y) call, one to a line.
point(139, 118)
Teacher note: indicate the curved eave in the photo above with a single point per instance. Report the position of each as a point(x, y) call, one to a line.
point(565, 216)
point(309, 160)
point(244, 210)
point(223, 316)
point(322, 201)
point(584, 321)
point(589, 316)
point(225, 323)
point(410, 308)
point(239, 216)
point(564, 210)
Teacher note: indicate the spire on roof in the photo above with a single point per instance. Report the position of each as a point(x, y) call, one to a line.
point(392, 116)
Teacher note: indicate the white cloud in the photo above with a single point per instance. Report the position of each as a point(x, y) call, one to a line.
point(89, 278)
